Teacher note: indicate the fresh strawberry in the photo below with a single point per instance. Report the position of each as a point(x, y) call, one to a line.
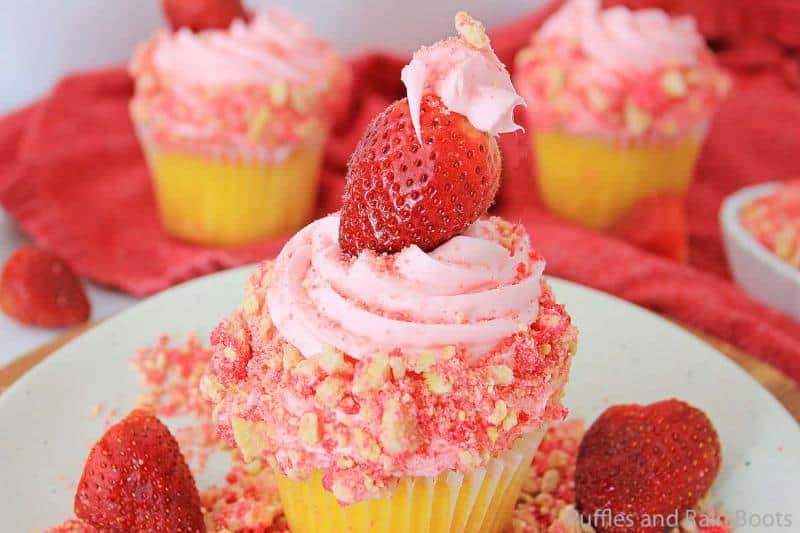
point(642, 464)
point(399, 192)
point(656, 224)
point(198, 15)
point(39, 289)
point(136, 479)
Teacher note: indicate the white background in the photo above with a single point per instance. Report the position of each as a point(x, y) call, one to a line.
point(40, 40)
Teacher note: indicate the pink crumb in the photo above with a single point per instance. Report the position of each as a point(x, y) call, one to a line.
point(68, 481)
point(248, 500)
point(110, 418)
point(171, 377)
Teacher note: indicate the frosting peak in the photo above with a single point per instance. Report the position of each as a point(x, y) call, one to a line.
point(260, 87)
point(619, 73)
point(467, 75)
point(273, 46)
point(621, 39)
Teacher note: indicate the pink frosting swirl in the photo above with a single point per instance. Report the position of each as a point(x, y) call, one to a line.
point(257, 89)
point(620, 39)
point(273, 46)
point(472, 291)
point(628, 75)
point(467, 75)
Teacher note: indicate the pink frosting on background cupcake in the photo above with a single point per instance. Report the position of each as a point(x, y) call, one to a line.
point(258, 88)
point(619, 73)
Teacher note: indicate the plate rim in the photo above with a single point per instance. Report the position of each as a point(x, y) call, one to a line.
point(18, 387)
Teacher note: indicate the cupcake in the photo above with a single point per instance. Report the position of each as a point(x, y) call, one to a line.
point(233, 122)
point(619, 103)
point(400, 361)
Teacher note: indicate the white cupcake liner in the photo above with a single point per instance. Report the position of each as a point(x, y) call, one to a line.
point(479, 501)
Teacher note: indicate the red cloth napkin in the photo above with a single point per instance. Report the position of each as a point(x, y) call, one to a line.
point(73, 176)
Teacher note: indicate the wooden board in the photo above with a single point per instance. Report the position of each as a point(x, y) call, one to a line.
point(784, 389)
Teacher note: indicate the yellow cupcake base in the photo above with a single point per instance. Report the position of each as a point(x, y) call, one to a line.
point(595, 181)
point(230, 202)
point(480, 501)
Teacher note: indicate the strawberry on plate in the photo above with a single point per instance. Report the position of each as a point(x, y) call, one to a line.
point(39, 289)
point(136, 479)
point(399, 192)
point(641, 464)
point(198, 15)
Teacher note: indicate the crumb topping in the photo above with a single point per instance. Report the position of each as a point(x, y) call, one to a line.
point(774, 221)
point(365, 423)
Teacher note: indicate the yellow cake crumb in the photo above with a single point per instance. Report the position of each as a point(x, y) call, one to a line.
point(499, 413)
point(674, 84)
point(436, 383)
point(211, 388)
point(637, 120)
point(397, 430)
point(330, 391)
point(309, 429)
point(250, 437)
point(279, 92)
point(471, 30)
point(501, 374)
point(366, 445)
point(291, 356)
point(398, 366)
point(332, 361)
point(424, 362)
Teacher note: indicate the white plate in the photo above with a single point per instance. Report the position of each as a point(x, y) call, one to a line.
point(625, 354)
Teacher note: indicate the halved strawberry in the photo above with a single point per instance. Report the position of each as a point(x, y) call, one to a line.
point(136, 479)
point(198, 15)
point(39, 289)
point(642, 464)
point(399, 192)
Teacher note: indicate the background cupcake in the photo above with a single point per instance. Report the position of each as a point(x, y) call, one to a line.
point(619, 103)
point(400, 361)
point(233, 123)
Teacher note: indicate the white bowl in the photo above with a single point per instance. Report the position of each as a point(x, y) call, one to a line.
point(765, 276)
